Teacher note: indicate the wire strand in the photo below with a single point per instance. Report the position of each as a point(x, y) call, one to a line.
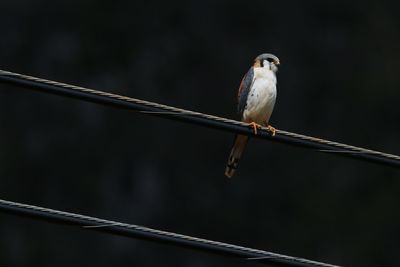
point(136, 231)
point(197, 118)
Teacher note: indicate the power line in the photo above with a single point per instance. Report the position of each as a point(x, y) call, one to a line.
point(188, 116)
point(140, 232)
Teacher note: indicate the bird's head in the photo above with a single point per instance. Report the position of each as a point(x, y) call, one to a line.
point(267, 61)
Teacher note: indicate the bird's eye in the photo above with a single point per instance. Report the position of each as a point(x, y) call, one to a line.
point(270, 59)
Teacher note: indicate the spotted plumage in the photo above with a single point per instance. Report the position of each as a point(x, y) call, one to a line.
point(256, 100)
point(244, 90)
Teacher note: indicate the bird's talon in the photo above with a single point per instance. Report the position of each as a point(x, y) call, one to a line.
point(255, 126)
point(271, 129)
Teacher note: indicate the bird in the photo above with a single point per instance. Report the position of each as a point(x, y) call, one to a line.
point(256, 101)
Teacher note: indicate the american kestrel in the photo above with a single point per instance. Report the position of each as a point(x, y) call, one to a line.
point(256, 100)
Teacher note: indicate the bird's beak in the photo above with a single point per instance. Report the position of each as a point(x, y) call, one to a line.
point(277, 62)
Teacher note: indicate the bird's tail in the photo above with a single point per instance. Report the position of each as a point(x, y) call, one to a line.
point(238, 147)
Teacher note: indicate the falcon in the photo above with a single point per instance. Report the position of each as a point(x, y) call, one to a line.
point(256, 100)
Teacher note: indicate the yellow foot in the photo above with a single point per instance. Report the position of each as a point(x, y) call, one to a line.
point(271, 129)
point(255, 126)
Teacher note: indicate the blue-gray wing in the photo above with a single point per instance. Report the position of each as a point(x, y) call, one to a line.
point(244, 90)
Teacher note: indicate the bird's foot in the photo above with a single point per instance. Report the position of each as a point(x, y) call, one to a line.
point(255, 126)
point(271, 129)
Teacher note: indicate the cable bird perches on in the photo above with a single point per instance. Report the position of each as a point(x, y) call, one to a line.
point(136, 231)
point(188, 116)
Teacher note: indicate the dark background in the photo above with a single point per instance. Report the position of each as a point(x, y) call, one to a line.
point(338, 80)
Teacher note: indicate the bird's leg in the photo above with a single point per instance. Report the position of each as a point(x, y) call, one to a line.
point(271, 129)
point(255, 126)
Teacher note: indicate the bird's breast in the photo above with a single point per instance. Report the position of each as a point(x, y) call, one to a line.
point(261, 98)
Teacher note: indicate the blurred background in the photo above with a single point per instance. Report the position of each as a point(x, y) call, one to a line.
point(338, 80)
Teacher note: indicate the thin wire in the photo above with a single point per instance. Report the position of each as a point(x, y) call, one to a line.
point(339, 151)
point(197, 118)
point(136, 231)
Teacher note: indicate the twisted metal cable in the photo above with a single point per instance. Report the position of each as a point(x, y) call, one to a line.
point(136, 231)
point(189, 116)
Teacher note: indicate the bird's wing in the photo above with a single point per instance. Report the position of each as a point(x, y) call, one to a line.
point(244, 90)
